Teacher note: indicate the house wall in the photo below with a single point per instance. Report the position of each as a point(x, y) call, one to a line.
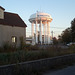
point(6, 33)
point(1, 14)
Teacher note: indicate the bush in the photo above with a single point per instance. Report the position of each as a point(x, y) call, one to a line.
point(7, 48)
point(32, 53)
point(35, 47)
point(22, 44)
point(1, 49)
point(72, 47)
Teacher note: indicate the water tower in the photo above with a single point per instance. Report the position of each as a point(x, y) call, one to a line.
point(43, 20)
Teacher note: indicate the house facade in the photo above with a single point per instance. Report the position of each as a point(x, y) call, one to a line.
point(12, 28)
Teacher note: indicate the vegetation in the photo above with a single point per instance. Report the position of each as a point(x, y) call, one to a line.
point(55, 41)
point(22, 43)
point(73, 29)
point(68, 35)
point(10, 54)
point(30, 53)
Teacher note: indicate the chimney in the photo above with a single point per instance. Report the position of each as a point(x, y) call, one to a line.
point(1, 12)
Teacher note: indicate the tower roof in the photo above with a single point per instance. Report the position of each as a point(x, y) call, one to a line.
point(40, 16)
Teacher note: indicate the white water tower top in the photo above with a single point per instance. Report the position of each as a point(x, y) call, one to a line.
point(40, 16)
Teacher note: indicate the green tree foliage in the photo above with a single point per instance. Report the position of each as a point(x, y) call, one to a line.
point(59, 39)
point(66, 35)
point(55, 41)
point(73, 29)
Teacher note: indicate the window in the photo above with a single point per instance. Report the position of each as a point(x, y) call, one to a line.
point(14, 39)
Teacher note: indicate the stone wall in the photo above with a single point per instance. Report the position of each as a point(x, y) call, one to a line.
point(37, 65)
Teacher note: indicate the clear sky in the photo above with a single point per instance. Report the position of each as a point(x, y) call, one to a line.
point(62, 11)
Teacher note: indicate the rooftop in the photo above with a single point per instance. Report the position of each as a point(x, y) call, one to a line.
point(12, 19)
point(2, 8)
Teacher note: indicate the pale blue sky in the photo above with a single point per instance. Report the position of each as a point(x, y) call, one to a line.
point(62, 11)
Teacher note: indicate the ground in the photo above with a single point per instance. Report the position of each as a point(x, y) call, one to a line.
point(70, 70)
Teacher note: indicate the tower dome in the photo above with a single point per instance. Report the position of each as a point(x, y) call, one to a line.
point(40, 16)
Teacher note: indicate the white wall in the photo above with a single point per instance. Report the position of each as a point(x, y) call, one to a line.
point(6, 33)
point(1, 14)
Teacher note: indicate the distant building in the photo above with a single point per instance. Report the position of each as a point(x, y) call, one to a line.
point(28, 41)
point(12, 27)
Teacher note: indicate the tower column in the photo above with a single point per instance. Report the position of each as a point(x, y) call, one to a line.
point(32, 33)
point(44, 29)
point(44, 32)
point(48, 32)
point(36, 35)
point(41, 32)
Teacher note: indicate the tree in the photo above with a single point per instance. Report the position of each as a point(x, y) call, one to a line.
point(73, 29)
point(55, 41)
point(66, 35)
point(59, 39)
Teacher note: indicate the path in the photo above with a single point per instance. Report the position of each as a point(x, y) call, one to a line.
point(66, 71)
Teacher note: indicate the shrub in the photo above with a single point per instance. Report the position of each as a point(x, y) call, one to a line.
point(22, 44)
point(33, 53)
point(35, 47)
point(72, 47)
point(7, 48)
point(1, 50)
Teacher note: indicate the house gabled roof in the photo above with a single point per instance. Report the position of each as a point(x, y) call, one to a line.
point(2, 8)
point(12, 19)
